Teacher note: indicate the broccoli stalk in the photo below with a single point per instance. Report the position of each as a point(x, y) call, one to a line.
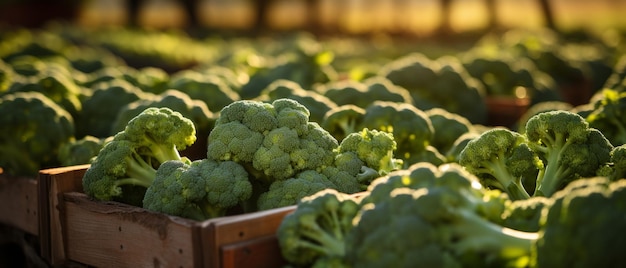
point(317, 228)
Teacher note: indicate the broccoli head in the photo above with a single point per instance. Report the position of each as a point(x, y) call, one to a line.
point(200, 190)
point(448, 127)
point(375, 148)
point(433, 217)
point(132, 157)
point(315, 232)
point(343, 120)
point(502, 159)
point(274, 141)
point(210, 89)
point(568, 147)
point(609, 116)
point(82, 151)
point(288, 192)
point(577, 228)
point(35, 130)
point(411, 127)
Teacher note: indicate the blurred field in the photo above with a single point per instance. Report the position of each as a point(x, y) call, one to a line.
point(359, 16)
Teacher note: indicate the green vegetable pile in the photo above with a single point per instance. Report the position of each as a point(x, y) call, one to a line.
point(386, 150)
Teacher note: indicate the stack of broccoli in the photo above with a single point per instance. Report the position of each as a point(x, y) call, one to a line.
point(429, 216)
point(259, 156)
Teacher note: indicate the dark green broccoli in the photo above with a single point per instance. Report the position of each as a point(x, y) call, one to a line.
point(287, 192)
point(35, 128)
point(577, 228)
point(133, 155)
point(343, 120)
point(200, 190)
point(205, 87)
point(81, 151)
point(448, 128)
point(7, 76)
point(442, 83)
point(524, 214)
point(411, 127)
point(431, 216)
point(615, 169)
point(568, 147)
point(316, 103)
point(149, 79)
point(315, 232)
point(95, 121)
point(55, 84)
point(195, 110)
point(501, 158)
point(609, 116)
point(274, 141)
point(363, 93)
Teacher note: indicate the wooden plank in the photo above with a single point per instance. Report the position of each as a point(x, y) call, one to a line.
point(233, 229)
point(260, 252)
point(111, 234)
point(19, 209)
point(51, 184)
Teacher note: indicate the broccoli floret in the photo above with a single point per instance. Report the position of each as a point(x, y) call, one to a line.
point(524, 214)
point(314, 233)
point(82, 151)
point(206, 87)
point(34, 129)
point(442, 83)
point(317, 104)
point(363, 93)
point(131, 158)
point(411, 127)
point(375, 148)
point(448, 127)
point(274, 141)
point(441, 220)
point(288, 192)
point(568, 147)
point(577, 226)
point(609, 117)
point(343, 120)
point(114, 95)
point(200, 190)
point(501, 158)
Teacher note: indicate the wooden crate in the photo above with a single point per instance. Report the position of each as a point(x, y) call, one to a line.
point(111, 234)
point(19, 203)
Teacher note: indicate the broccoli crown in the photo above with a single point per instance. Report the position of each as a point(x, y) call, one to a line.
point(578, 223)
point(568, 147)
point(375, 148)
point(608, 115)
point(199, 190)
point(439, 83)
point(82, 151)
point(316, 230)
point(411, 127)
point(618, 162)
point(317, 104)
point(288, 192)
point(501, 158)
point(343, 120)
point(524, 214)
point(445, 221)
point(38, 128)
point(208, 88)
point(195, 110)
point(133, 155)
point(95, 121)
point(447, 127)
point(274, 141)
point(54, 84)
